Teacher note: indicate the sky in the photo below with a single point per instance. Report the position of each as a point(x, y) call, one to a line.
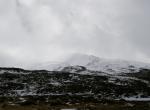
point(34, 31)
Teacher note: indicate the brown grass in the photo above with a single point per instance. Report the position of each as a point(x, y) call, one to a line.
point(89, 106)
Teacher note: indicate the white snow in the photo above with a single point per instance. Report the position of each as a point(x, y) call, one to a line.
point(12, 71)
point(136, 99)
point(22, 99)
point(110, 66)
point(55, 83)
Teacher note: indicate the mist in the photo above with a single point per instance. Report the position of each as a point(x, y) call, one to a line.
point(34, 31)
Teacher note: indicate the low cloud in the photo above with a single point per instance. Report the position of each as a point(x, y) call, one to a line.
point(46, 30)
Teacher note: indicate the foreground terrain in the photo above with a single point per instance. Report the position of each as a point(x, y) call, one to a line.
point(82, 106)
point(73, 87)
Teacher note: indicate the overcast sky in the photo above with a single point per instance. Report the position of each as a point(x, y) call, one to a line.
point(34, 31)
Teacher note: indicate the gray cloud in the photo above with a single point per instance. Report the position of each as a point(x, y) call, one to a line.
point(45, 30)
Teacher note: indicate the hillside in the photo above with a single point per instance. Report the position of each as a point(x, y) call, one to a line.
point(74, 84)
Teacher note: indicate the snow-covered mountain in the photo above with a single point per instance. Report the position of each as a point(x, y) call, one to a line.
point(91, 62)
point(72, 82)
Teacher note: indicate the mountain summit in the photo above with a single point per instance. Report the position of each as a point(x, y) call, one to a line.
point(91, 62)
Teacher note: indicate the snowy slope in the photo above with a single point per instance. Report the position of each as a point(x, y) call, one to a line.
point(91, 62)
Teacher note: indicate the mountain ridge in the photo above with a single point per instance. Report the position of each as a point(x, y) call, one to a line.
point(91, 62)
